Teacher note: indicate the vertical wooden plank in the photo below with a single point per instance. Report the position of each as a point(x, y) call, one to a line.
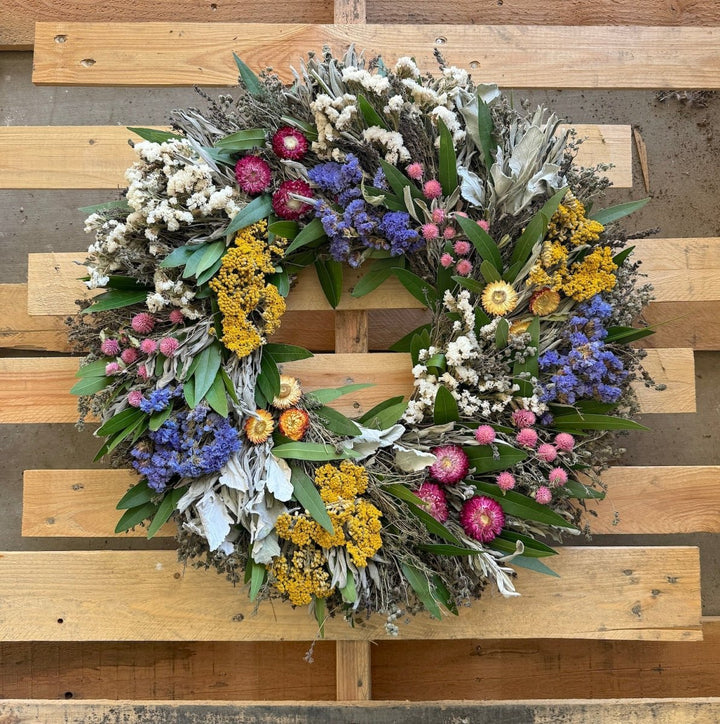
point(350, 12)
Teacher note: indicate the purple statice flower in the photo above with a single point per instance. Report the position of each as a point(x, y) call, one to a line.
point(189, 444)
point(379, 180)
point(395, 226)
point(157, 400)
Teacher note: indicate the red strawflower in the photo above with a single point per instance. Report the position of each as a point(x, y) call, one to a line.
point(482, 518)
point(287, 207)
point(288, 142)
point(451, 465)
point(434, 499)
point(253, 175)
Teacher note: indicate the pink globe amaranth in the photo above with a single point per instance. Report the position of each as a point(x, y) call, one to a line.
point(432, 189)
point(527, 437)
point(446, 260)
point(451, 466)
point(112, 368)
point(287, 207)
point(142, 372)
point(439, 215)
point(135, 397)
point(543, 495)
point(289, 143)
point(482, 518)
point(547, 452)
point(168, 346)
point(176, 316)
point(253, 175)
point(129, 355)
point(505, 480)
point(435, 501)
point(148, 346)
point(143, 323)
point(485, 434)
point(564, 441)
point(523, 418)
point(110, 347)
point(430, 232)
point(462, 247)
point(415, 171)
point(557, 477)
point(449, 232)
point(483, 225)
point(463, 267)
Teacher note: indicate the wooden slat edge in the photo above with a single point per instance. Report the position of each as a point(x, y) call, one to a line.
point(18, 330)
point(96, 157)
point(138, 595)
point(520, 57)
point(38, 389)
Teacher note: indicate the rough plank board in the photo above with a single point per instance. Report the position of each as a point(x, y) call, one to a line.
point(129, 54)
point(81, 503)
point(77, 503)
point(637, 593)
point(53, 284)
point(18, 330)
point(96, 157)
point(692, 324)
point(661, 711)
point(38, 389)
point(17, 29)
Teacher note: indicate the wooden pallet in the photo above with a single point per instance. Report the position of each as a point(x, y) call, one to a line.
point(640, 606)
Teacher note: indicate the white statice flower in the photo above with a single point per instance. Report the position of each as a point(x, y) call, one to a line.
point(391, 141)
point(425, 97)
point(394, 105)
point(331, 116)
point(463, 306)
point(377, 84)
point(456, 76)
point(450, 119)
point(96, 280)
point(406, 68)
point(460, 350)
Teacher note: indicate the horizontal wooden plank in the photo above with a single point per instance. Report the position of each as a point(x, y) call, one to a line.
point(642, 499)
point(514, 56)
point(645, 500)
point(18, 330)
point(17, 31)
point(637, 593)
point(37, 389)
point(95, 157)
point(637, 711)
point(692, 324)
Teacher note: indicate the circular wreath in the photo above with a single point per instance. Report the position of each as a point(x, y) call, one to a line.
point(520, 375)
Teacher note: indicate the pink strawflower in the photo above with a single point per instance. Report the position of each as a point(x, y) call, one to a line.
point(527, 437)
point(148, 346)
point(176, 316)
point(482, 518)
point(142, 372)
point(485, 434)
point(430, 232)
point(446, 260)
point(505, 481)
point(129, 355)
point(483, 225)
point(288, 142)
point(523, 418)
point(287, 207)
point(438, 215)
point(432, 189)
point(463, 267)
point(451, 465)
point(564, 441)
point(415, 171)
point(135, 398)
point(112, 368)
point(543, 495)
point(253, 175)
point(449, 232)
point(557, 477)
point(435, 500)
point(110, 347)
point(168, 346)
point(547, 452)
point(462, 247)
point(143, 323)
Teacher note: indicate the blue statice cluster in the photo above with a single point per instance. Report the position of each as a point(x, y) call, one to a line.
point(351, 224)
point(190, 443)
point(158, 400)
point(582, 366)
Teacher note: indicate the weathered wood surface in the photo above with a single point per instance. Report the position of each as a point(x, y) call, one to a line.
point(18, 330)
point(96, 157)
point(630, 711)
point(38, 389)
point(643, 499)
point(645, 594)
point(532, 56)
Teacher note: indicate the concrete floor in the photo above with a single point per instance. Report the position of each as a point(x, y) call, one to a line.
point(682, 158)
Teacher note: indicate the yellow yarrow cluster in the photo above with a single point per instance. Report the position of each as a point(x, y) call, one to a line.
point(251, 308)
point(570, 228)
point(356, 527)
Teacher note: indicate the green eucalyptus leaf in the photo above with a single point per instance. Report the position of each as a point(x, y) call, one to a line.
point(154, 135)
point(489, 272)
point(369, 114)
point(483, 459)
point(306, 493)
point(330, 276)
point(179, 256)
point(576, 489)
point(269, 378)
point(309, 233)
point(619, 258)
point(534, 564)
point(398, 181)
point(613, 213)
point(485, 133)
point(134, 516)
point(258, 575)
point(206, 369)
point(116, 299)
point(419, 583)
point(137, 495)
point(121, 205)
point(158, 418)
point(216, 396)
point(337, 422)
point(447, 171)
point(328, 394)
point(259, 208)
point(242, 140)
point(129, 416)
point(404, 343)
point(501, 334)
point(423, 291)
point(482, 241)
point(284, 229)
point(377, 273)
point(249, 79)
point(90, 385)
point(446, 408)
point(165, 509)
point(312, 451)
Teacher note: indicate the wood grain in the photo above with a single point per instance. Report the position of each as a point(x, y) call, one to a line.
point(18, 330)
point(637, 593)
point(692, 324)
point(96, 157)
point(663, 711)
point(81, 503)
point(128, 54)
point(38, 389)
